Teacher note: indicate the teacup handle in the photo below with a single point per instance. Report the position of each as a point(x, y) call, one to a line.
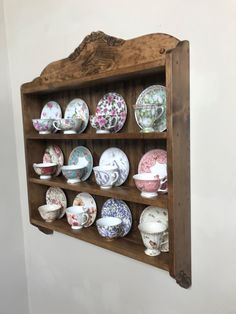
point(163, 235)
point(161, 112)
point(115, 122)
point(116, 177)
point(85, 218)
point(55, 125)
point(162, 181)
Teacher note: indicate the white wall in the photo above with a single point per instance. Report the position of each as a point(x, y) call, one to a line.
point(13, 284)
point(66, 275)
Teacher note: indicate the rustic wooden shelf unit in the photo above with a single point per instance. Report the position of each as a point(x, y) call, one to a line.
point(101, 64)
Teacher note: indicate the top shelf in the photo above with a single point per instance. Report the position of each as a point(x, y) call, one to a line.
point(94, 136)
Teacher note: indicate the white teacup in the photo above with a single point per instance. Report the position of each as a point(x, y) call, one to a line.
point(68, 125)
point(77, 216)
point(106, 176)
point(152, 234)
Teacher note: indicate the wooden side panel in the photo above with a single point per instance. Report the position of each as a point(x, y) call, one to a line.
point(178, 145)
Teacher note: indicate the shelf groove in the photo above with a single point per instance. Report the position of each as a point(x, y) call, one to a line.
point(123, 192)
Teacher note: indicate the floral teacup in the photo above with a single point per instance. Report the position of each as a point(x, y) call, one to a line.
point(68, 126)
point(43, 126)
point(103, 123)
point(152, 235)
point(77, 216)
point(106, 176)
point(148, 184)
point(146, 115)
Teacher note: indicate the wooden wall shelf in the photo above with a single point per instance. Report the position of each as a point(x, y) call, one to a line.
point(101, 64)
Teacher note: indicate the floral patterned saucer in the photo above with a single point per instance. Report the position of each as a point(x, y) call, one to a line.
point(51, 110)
point(58, 197)
point(86, 200)
point(77, 108)
point(119, 209)
point(116, 157)
point(113, 104)
point(155, 94)
point(156, 214)
point(80, 154)
point(53, 153)
point(150, 159)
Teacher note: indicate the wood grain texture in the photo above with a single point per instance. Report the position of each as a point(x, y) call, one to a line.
point(100, 54)
point(178, 145)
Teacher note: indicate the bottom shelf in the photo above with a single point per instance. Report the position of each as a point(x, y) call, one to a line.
point(122, 246)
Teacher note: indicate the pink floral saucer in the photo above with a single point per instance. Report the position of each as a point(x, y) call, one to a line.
point(86, 200)
point(113, 105)
point(150, 159)
point(53, 153)
point(51, 110)
point(58, 197)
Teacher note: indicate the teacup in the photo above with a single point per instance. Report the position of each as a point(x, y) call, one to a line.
point(148, 184)
point(146, 115)
point(77, 216)
point(152, 235)
point(68, 125)
point(109, 227)
point(45, 170)
point(50, 212)
point(73, 173)
point(103, 123)
point(106, 176)
point(43, 126)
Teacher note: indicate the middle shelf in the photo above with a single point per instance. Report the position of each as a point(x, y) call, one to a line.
point(126, 193)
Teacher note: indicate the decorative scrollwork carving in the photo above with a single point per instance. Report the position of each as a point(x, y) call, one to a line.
point(183, 279)
point(96, 36)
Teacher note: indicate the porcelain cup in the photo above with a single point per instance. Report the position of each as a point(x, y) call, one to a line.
point(45, 170)
point(109, 227)
point(152, 235)
point(68, 125)
point(103, 123)
point(146, 115)
point(106, 176)
point(147, 183)
point(73, 173)
point(50, 212)
point(77, 216)
point(43, 126)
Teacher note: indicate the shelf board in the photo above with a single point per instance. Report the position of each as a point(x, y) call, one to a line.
point(137, 70)
point(94, 136)
point(122, 246)
point(121, 192)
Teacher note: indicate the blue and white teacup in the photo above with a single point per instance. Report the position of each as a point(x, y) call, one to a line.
point(109, 227)
point(106, 176)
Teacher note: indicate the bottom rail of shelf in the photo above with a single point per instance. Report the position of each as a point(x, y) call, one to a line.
point(122, 246)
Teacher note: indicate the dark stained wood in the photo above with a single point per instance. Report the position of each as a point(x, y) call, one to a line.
point(94, 136)
point(101, 64)
point(125, 193)
point(178, 145)
point(121, 246)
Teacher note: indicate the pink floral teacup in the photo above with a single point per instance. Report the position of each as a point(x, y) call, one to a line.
point(77, 216)
point(148, 184)
point(103, 123)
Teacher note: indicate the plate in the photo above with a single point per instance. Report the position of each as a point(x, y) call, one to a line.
point(86, 200)
point(118, 208)
point(58, 197)
point(51, 110)
point(53, 153)
point(116, 157)
point(78, 154)
point(113, 104)
point(156, 214)
point(77, 108)
point(150, 159)
point(155, 94)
